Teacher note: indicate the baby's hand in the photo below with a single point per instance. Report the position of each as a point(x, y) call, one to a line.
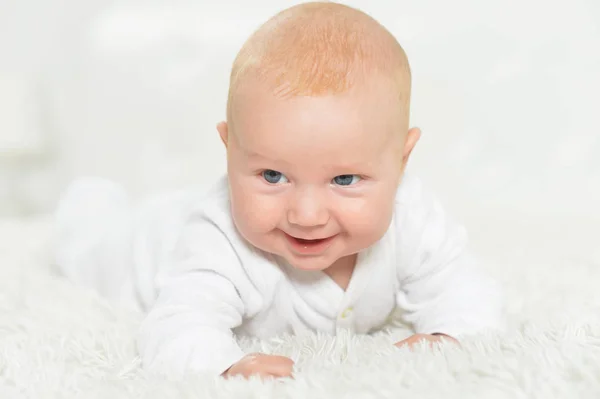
point(414, 339)
point(261, 365)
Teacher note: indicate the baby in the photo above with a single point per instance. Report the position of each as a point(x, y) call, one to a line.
point(315, 226)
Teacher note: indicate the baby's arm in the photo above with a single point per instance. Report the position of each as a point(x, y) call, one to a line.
point(189, 327)
point(442, 290)
point(189, 330)
point(203, 295)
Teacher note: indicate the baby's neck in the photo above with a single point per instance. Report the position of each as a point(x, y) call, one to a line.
point(341, 271)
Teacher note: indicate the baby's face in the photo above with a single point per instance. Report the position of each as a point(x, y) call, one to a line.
point(313, 179)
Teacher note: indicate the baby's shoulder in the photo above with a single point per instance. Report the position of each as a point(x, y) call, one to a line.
point(414, 205)
point(410, 191)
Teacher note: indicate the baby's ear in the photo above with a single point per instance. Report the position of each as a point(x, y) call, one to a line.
point(222, 129)
point(412, 137)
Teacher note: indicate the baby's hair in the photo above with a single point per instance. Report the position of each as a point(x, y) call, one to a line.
point(320, 48)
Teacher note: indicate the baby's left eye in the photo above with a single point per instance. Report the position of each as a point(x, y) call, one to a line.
point(346, 180)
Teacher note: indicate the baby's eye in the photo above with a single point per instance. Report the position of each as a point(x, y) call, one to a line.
point(346, 180)
point(274, 177)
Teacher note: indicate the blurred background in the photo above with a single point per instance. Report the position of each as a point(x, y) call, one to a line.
point(507, 94)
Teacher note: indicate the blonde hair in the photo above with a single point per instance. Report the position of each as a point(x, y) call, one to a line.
point(320, 48)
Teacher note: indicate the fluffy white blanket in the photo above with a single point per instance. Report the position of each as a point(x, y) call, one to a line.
point(57, 340)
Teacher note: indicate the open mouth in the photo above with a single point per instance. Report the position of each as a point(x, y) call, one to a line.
point(309, 242)
point(309, 247)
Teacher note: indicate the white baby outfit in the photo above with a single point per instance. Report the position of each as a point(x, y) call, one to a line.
point(180, 259)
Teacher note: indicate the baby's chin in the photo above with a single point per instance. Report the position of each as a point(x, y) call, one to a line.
point(308, 264)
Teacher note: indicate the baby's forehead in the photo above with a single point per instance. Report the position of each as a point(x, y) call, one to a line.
point(374, 99)
point(315, 124)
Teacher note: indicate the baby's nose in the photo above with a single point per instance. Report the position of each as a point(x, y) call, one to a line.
point(307, 210)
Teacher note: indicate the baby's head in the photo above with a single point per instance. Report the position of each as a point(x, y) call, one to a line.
point(317, 133)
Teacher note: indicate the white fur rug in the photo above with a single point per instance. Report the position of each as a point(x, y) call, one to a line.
point(58, 341)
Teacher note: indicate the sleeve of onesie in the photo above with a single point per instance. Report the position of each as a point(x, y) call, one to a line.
point(189, 327)
point(442, 289)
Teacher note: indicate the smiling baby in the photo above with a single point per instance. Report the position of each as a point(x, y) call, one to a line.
point(315, 226)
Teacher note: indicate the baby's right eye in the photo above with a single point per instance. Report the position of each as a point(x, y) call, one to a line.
point(274, 177)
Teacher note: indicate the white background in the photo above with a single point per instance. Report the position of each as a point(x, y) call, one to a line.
point(507, 94)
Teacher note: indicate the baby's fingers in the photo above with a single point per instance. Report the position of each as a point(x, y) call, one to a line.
point(278, 366)
point(263, 366)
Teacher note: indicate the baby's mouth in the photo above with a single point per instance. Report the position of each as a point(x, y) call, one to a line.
point(309, 242)
point(307, 246)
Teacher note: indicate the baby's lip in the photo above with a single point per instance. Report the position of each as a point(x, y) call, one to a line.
point(309, 247)
point(310, 238)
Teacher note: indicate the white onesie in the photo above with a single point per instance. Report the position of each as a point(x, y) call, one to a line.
point(180, 259)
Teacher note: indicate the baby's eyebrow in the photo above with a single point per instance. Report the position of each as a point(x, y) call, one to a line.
point(356, 165)
point(256, 155)
point(350, 167)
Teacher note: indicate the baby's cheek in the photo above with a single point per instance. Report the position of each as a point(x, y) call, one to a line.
point(254, 213)
point(255, 220)
point(372, 222)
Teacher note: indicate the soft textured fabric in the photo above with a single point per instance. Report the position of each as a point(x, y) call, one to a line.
point(59, 340)
point(181, 259)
